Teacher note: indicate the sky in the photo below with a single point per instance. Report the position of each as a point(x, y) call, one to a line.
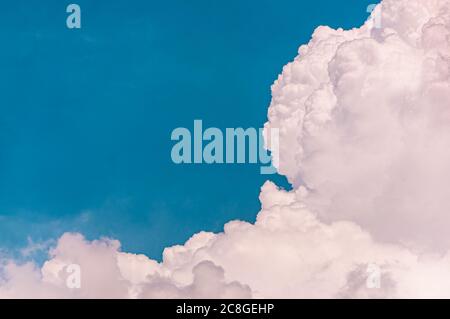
point(91, 197)
point(86, 115)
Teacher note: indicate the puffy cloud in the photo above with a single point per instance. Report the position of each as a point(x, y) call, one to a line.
point(287, 253)
point(106, 272)
point(208, 282)
point(364, 123)
point(364, 137)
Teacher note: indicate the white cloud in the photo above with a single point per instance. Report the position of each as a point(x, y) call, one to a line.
point(364, 123)
point(364, 139)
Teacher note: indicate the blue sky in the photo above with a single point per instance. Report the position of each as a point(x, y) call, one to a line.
point(86, 115)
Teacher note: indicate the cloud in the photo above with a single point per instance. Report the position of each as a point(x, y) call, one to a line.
point(106, 272)
point(287, 253)
point(364, 139)
point(364, 123)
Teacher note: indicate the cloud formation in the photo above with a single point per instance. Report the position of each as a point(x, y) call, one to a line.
point(364, 117)
point(364, 139)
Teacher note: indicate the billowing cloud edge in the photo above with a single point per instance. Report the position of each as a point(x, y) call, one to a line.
point(363, 116)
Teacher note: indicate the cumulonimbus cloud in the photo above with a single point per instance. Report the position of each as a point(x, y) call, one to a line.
point(364, 119)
